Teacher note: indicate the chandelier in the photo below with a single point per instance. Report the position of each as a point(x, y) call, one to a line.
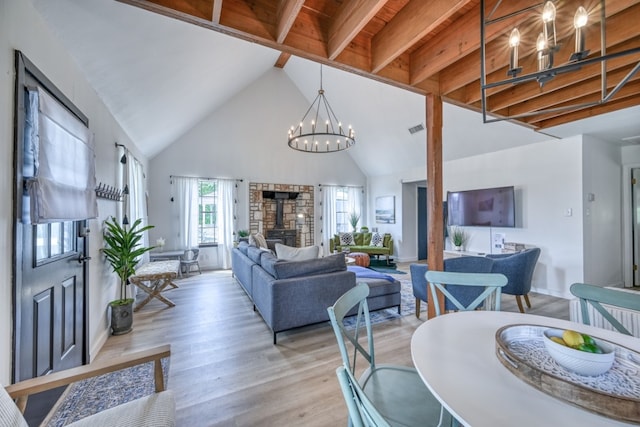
point(549, 43)
point(318, 137)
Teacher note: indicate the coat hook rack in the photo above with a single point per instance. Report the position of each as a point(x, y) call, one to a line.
point(104, 191)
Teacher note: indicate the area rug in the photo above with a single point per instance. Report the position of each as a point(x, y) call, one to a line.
point(94, 395)
point(407, 307)
point(382, 266)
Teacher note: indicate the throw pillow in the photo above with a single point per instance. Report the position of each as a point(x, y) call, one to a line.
point(376, 239)
point(258, 240)
point(289, 253)
point(346, 239)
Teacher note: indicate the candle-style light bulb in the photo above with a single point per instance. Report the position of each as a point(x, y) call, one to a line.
point(549, 23)
point(514, 41)
point(541, 46)
point(580, 20)
point(327, 123)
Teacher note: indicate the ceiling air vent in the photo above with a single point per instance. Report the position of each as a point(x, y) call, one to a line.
point(416, 129)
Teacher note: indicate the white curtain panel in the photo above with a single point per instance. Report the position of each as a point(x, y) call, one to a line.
point(329, 222)
point(61, 180)
point(225, 220)
point(137, 205)
point(185, 205)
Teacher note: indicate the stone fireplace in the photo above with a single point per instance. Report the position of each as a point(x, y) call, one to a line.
point(282, 211)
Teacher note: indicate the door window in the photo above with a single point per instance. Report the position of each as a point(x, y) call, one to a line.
point(54, 240)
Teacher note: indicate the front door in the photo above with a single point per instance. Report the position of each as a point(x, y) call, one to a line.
point(50, 293)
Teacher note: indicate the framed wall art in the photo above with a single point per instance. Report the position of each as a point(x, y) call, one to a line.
point(386, 210)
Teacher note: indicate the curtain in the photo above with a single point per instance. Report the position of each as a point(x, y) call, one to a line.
point(137, 206)
point(225, 220)
point(329, 220)
point(59, 162)
point(185, 206)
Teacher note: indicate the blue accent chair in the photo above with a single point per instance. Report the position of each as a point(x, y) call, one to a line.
point(519, 271)
point(464, 264)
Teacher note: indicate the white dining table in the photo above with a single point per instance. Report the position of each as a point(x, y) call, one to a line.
point(455, 355)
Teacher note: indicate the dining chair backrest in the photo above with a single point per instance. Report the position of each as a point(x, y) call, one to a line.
point(492, 283)
point(355, 297)
point(362, 412)
point(596, 296)
point(190, 254)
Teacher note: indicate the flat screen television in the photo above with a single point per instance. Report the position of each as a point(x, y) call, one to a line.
point(487, 207)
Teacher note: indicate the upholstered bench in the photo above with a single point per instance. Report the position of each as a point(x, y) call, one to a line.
point(384, 290)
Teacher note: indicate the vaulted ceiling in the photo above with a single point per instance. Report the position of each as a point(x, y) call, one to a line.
point(435, 46)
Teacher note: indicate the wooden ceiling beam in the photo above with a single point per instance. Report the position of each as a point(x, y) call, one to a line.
point(417, 19)
point(350, 19)
point(608, 107)
point(570, 93)
point(282, 60)
point(629, 91)
point(217, 11)
point(287, 13)
point(461, 39)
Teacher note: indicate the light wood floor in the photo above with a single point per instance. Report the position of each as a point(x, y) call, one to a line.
point(225, 371)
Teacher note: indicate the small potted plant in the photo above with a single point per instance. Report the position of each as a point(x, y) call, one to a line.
point(458, 237)
point(123, 253)
point(243, 235)
point(354, 218)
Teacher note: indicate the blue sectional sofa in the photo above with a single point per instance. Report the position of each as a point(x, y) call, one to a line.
point(290, 294)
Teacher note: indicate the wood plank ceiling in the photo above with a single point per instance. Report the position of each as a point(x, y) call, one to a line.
point(434, 46)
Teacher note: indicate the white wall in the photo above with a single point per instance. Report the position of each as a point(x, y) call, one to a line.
point(246, 138)
point(22, 28)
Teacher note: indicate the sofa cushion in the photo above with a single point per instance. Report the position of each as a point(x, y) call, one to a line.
point(346, 239)
point(329, 264)
point(376, 239)
point(289, 253)
point(255, 253)
point(258, 240)
point(268, 261)
point(243, 247)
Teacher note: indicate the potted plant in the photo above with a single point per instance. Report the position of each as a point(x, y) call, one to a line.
point(243, 235)
point(458, 237)
point(123, 252)
point(353, 220)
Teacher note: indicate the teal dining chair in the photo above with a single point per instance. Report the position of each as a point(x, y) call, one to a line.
point(362, 412)
point(596, 296)
point(449, 282)
point(396, 392)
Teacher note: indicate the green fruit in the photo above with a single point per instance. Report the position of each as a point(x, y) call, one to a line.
point(590, 348)
point(588, 340)
point(572, 338)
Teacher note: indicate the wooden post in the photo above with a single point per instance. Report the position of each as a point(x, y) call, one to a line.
point(435, 226)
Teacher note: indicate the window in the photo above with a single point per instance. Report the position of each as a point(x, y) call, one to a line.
point(342, 211)
point(207, 212)
point(54, 241)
